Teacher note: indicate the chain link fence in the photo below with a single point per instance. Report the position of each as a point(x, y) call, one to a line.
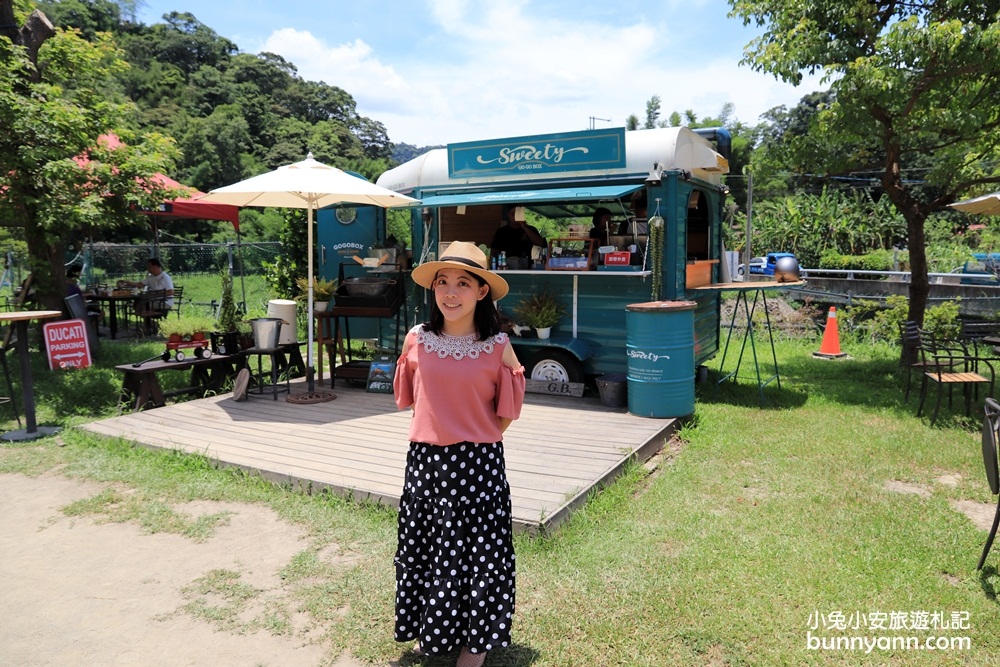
point(194, 266)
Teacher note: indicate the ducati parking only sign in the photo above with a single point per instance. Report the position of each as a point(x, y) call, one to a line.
point(67, 344)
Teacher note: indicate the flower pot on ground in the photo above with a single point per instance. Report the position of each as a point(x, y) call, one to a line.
point(540, 311)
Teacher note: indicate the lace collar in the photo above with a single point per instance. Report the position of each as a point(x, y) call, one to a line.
point(458, 347)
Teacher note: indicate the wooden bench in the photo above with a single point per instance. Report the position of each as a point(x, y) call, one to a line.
point(141, 386)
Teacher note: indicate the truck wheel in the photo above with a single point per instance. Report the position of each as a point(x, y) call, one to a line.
point(166, 355)
point(179, 356)
point(197, 353)
point(206, 353)
point(554, 366)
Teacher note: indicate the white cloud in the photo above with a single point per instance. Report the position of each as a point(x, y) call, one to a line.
point(351, 66)
point(499, 71)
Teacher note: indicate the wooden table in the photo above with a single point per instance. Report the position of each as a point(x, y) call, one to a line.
point(141, 387)
point(19, 320)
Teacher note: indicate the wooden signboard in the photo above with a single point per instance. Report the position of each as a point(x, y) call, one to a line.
point(574, 389)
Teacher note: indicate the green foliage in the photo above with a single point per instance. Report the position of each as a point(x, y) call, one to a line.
point(186, 325)
point(913, 87)
point(322, 289)
point(870, 321)
point(830, 223)
point(228, 319)
point(879, 260)
point(541, 310)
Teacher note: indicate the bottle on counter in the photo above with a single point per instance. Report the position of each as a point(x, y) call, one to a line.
point(503, 261)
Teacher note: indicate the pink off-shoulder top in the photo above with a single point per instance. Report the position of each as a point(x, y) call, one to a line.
point(459, 387)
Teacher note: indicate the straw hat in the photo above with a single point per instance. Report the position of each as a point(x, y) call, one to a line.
point(465, 256)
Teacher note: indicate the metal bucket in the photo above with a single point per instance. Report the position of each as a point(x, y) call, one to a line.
point(659, 342)
point(266, 332)
point(612, 389)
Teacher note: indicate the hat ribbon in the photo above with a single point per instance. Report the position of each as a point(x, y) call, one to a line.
point(463, 260)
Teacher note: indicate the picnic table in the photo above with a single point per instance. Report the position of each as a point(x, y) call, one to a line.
point(141, 385)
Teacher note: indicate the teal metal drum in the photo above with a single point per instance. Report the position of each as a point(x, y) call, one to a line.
point(659, 344)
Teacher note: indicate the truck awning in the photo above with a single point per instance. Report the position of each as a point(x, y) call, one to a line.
point(529, 197)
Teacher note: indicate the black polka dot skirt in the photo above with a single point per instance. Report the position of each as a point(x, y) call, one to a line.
point(455, 555)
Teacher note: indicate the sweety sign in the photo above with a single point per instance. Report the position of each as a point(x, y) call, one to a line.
point(67, 344)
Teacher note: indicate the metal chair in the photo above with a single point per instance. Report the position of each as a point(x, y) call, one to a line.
point(7, 343)
point(150, 306)
point(78, 310)
point(991, 421)
point(909, 337)
point(949, 363)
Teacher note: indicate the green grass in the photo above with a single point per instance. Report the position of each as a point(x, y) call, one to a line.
point(758, 518)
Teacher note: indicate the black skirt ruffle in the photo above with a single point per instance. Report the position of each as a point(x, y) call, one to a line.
point(455, 555)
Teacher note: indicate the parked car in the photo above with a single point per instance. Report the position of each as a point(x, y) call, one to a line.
point(757, 265)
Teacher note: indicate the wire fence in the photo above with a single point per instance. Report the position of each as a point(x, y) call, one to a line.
point(194, 266)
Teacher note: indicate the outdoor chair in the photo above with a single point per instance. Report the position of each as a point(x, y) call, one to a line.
point(991, 421)
point(178, 299)
point(7, 343)
point(909, 337)
point(150, 306)
point(949, 363)
point(975, 333)
point(77, 310)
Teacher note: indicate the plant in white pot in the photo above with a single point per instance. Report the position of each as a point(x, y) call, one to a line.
point(541, 311)
point(323, 291)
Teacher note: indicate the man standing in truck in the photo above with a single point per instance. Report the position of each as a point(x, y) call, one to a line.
point(516, 239)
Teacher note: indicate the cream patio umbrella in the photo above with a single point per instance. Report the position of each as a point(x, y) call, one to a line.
point(986, 205)
point(311, 185)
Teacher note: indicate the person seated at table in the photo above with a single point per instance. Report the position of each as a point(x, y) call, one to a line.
point(73, 287)
point(515, 238)
point(157, 280)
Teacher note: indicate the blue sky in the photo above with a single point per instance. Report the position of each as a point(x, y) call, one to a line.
point(441, 71)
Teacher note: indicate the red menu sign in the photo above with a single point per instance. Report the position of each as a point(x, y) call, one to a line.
point(67, 344)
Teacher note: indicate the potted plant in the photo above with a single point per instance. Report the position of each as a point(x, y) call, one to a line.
point(323, 291)
point(541, 311)
point(226, 337)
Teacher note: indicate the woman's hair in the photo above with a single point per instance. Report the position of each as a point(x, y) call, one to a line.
point(486, 318)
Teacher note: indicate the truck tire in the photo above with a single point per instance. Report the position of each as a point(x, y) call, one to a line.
point(554, 365)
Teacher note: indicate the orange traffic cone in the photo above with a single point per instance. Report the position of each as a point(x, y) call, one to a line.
point(830, 347)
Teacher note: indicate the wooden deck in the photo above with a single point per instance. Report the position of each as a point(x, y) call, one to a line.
point(558, 450)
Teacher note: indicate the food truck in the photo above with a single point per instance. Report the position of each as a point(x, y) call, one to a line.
point(566, 177)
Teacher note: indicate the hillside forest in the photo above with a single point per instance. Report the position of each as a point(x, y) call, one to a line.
point(216, 114)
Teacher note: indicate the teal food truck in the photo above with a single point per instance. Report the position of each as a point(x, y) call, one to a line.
point(464, 187)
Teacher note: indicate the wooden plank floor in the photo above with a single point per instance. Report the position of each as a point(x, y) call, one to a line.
point(557, 451)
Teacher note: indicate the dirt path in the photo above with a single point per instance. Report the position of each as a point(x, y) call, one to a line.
point(78, 592)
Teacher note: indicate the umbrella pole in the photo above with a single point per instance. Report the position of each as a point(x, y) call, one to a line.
point(309, 304)
point(239, 252)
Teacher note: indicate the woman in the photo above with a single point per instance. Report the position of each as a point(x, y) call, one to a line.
point(455, 554)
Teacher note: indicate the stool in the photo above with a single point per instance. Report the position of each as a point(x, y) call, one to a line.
point(10, 387)
point(277, 356)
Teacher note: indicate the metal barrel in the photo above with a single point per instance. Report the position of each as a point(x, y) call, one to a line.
point(659, 345)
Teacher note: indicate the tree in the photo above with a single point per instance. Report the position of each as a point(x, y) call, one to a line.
point(57, 97)
point(652, 112)
point(918, 80)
